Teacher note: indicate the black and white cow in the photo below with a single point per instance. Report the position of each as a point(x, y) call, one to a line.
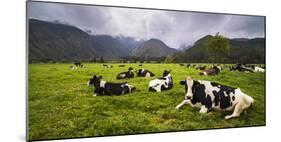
point(210, 95)
point(107, 66)
point(144, 73)
point(127, 74)
point(242, 68)
point(215, 70)
point(163, 83)
point(201, 68)
point(107, 88)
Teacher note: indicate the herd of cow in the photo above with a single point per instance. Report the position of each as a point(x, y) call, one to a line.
point(199, 93)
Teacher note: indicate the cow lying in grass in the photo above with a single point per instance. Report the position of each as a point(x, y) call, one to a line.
point(215, 70)
point(127, 74)
point(163, 83)
point(107, 66)
point(144, 73)
point(209, 95)
point(108, 88)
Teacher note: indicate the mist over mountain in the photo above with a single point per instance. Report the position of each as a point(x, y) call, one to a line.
point(55, 41)
point(153, 48)
point(60, 42)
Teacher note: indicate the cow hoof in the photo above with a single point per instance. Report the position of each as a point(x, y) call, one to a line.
point(227, 117)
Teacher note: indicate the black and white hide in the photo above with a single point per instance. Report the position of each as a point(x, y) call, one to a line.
point(127, 74)
point(213, 96)
point(163, 83)
point(215, 70)
point(144, 73)
point(107, 66)
point(107, 88)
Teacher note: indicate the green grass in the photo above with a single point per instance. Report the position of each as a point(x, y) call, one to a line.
point(61, 105)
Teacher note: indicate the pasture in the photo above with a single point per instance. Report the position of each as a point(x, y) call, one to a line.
point(61, 105)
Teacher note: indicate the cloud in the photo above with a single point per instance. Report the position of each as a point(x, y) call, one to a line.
point(173, 27)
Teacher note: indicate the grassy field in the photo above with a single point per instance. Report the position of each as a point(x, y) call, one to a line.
point(61, 105)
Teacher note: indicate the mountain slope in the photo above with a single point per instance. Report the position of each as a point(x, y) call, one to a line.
point(153, 48)
point(241, 50)
point(60, 42)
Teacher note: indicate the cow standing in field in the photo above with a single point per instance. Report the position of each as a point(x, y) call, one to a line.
point(127, 74)
point(163, 83)
point(144, 73)
point(212, 71)
point(213, 96)
point(107, 88)
point(121, 66)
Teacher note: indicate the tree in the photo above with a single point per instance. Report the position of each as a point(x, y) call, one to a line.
point(101, 59)
point(218, 48)
point(169, 59)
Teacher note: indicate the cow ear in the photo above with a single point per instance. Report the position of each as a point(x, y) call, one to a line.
point(182, 82)
point(94, 76)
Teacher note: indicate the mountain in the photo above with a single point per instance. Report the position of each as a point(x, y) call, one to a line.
point(153, 48)
point(242, 50)
point(54, 41)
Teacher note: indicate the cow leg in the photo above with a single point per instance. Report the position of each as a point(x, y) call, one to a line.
point(237, 111)
point(184, 102)
point(203, 109)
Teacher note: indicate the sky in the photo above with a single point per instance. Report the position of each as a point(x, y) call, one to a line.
point(175, 28)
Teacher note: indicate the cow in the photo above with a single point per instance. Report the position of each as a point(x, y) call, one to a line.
point(242, 68)
point(214, 96)
point(73, 67)
point(140, 65)
point(144, 73)
point(215, 70)
point(163, 83)
point(107, 66)
point(258, 69)
point(182, 64)
point(201, 68)
point(108, 89)
point(121, 66)
point(127, 74)
point(188, 65)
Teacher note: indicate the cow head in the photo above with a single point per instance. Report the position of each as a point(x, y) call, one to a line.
point(94, 81)
point(130, 69)
point(188, 82)
point(166, 73)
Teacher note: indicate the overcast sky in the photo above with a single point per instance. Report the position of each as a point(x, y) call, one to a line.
point(173, 28)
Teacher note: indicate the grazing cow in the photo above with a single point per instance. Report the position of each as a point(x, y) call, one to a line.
point(210, 95)
point(107, 88)
point(144, 73)
point(77, 64)
point(182, 64)
point(212, 71)
point(163, 83)
point(188, 65)
point(121, 65)
point(127, 74)
point(140, 65)
point(107, 66)
point(201, 68)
